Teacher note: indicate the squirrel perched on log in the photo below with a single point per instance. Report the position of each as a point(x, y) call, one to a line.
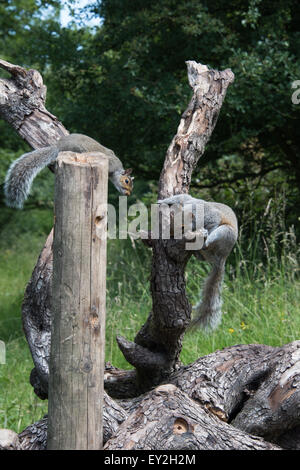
point(22, 171)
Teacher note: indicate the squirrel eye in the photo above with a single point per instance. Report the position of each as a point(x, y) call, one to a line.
point(126, 181)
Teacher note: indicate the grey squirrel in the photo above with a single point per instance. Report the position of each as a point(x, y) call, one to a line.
point(22, 171)
point(221, 226)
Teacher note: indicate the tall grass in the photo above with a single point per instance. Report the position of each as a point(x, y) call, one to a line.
point(261, 295)
point(260, 302)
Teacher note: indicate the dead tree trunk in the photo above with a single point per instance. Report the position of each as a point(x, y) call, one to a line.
point(22, 105)
point(236, 398)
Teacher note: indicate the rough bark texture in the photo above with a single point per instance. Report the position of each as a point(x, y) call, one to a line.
point(22, 104)
point(9, 440)
point(222, 400)
point(196, 126)
point(167, 419)
point(255, 388)
point(34, 437)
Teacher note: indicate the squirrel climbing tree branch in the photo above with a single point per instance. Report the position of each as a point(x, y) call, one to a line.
point(163, 331)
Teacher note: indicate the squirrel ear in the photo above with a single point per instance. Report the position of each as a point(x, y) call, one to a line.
point(128, 171)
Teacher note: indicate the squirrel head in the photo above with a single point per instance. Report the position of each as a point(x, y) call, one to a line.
point(123, 181)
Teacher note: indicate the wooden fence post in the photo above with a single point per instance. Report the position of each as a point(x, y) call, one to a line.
point(78, 302)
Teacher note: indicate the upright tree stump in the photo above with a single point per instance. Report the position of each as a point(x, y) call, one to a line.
point(79, 288)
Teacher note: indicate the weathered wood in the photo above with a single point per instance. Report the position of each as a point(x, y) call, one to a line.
point(9, 440)
point(225, 385)
point(22, 105)
point(34, 437)
point(36, 318)
point(255, 387)
point(195, 128)
point(120, 383)
point(163, 419)
point(78, 302)
point(167, 419)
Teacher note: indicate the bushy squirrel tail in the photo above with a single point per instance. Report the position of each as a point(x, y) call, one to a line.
point(22, 172)
point(208, 312)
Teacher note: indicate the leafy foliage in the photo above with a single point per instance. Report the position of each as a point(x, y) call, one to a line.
point(125, 84)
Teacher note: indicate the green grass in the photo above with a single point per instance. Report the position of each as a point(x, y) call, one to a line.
point(19, 406)
point(261, 305)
